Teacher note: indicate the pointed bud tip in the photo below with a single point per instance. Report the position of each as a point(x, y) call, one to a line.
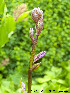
point(45, 51)
point(21, 78)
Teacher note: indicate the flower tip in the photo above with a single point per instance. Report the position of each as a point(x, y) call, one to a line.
point(38, 8)
point(45, 51)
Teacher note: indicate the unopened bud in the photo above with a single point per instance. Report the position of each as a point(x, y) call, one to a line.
point(36, 14)
point(38, 56)
point(31, 32)
point(41, 18)
point(35, 66)
point(35, 17)
point(39, 27)
point(39, 12)
point(23, 87)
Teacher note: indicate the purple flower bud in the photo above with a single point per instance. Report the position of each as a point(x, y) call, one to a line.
point(41, 18)
point(31, 31)
point(39, 27)
point(23, 85)
point(36, 14)
point(38, 56)
point(35, 17)
point(39, 12)
point(41, 54)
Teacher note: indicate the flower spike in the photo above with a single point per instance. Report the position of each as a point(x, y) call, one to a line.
point(38, 56)
point(37, 16)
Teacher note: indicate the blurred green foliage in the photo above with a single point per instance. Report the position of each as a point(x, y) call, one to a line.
point(54, 71)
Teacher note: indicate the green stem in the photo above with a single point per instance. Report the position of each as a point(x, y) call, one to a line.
point(31, 63)
point(33, 51)
point(32, 55)
point(29, 80)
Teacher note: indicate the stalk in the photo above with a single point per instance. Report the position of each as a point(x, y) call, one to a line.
point(29, 80)
point(31, 63)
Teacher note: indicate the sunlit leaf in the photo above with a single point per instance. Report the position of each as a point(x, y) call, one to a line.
point(22, 16)
point(8, 25)
point(2, 4)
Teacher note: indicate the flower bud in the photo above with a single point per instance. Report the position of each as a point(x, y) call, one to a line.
point(39, 12)
point(39, 27)
point(39, 24)
point(36, 14)
point(35, 66)
point(35, 17)
point(41, 18)
point(23, 87)
point(38, 56)
point(31, 32)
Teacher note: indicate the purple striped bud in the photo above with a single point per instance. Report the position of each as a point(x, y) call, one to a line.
point(39, 27)
point(23, 87)
point(31, 32)
point(38, 56)
point(39, 12)
point(41, 18)
point(35, 17)
point(36, 14)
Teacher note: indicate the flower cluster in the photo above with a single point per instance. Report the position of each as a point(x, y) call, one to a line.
point(37, 16)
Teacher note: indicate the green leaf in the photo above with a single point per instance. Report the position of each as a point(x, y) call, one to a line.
point(42, 80)
point(22, 16)
point(7, 25)
point(5, 10)
point(2, 4)
point(61, 81)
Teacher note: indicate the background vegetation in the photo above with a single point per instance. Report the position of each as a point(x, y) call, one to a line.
point(54, 72)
